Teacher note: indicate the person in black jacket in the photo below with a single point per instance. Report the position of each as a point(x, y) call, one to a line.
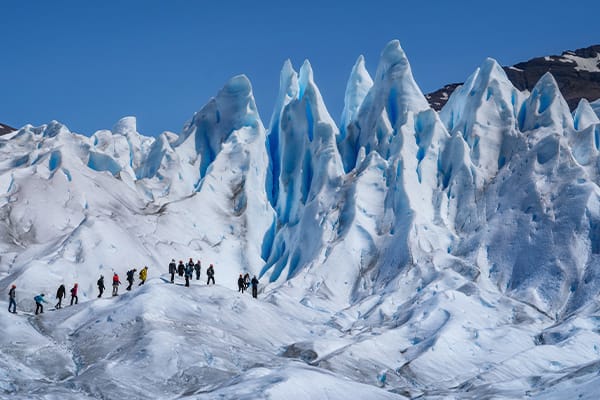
point(12, 294)
point(101, 286)
point(241, 285)
point(197, 268)
point(130, 278)
point(254, 286)
point(60, 293)
point(180, 268)
point(172, 270)
point(210, 272)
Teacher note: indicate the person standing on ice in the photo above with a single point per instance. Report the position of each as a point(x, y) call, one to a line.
point(143, 275)
point(197, 268)
point(211, 274)
point(12, 302)
point(241, 285)
point(130, 277)
point(115, 285)
point(60, 293)
point(180, 268)
point(172, 270)
point(101, 287)
point(254, 287)
point(74, 294)
point(189, 272)
point(246, 281)
point(39, 307)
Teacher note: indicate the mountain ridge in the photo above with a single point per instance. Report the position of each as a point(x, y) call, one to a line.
point(577, 73)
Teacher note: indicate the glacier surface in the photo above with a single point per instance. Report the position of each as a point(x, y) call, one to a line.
point(402, 252)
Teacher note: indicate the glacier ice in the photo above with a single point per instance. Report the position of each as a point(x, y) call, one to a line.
point(455, 253)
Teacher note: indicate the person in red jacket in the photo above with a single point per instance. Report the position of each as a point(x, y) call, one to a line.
point(74, 294)
point(115, 285)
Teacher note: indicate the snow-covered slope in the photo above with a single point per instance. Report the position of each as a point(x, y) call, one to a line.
point(403, 253)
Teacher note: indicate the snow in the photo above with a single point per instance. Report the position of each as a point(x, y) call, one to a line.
point(405, 254)
point(589, 64)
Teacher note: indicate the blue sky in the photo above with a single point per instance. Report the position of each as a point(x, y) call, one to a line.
point(89, 63)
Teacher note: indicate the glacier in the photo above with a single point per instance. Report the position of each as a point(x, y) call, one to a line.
point(402, 252)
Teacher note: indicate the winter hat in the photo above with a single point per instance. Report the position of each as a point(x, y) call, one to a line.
point(14, 286)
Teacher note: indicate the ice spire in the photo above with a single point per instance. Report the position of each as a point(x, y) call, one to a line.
point(584, 115)
point(389, 104)
point(486, 96)
point(357, 88)
point(545, 107)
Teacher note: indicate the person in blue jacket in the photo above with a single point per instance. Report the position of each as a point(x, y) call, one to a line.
point(189, 272)
point(39, 299)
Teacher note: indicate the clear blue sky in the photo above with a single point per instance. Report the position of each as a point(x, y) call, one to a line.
point(88, 63)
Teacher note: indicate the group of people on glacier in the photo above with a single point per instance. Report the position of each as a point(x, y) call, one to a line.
point(61, 292)
point(244, 282)
point(183, 270)
point(116, 281)
point(190, 268)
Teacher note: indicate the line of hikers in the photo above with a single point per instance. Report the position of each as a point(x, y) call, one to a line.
point(143, 275)
point(61, 292)
point(183, 270)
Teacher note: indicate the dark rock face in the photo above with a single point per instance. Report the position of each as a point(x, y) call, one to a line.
point(4, 129)
point(438, 98)
point(576, 72)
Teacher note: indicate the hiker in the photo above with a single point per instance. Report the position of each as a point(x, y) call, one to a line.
point(60, 293)
point(130, 277)
point(74, 294)
point(254, 287)
point(246, 281)
point(12, 294)
point(197, 268)
point(211, 274)
point(115, 285)
point(172, 270)
point(39, 307)
point(189, 272)
point(101, 287)
point(241, 285)
point(143, 275)
point(180, 268)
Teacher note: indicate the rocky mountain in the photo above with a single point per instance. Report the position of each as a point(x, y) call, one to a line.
point(4, 129)
point(577, 74)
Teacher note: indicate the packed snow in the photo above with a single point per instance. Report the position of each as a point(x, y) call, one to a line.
point(589, 64)
point(404, 253)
